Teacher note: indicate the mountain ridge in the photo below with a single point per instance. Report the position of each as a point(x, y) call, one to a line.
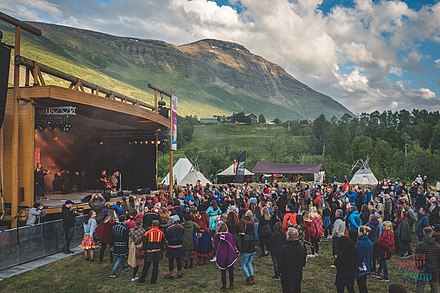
point(211, 77)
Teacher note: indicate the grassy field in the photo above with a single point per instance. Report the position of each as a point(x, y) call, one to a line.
point(76, 275)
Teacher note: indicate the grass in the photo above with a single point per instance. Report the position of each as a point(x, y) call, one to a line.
point(76, 275)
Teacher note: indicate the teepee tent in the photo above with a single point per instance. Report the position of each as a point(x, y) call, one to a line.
point(180, 169)
point(230, 172)
point(185, 173)
point(364, 175)
point(192, 177)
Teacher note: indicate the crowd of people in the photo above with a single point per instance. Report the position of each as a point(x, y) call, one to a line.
point(221, 224)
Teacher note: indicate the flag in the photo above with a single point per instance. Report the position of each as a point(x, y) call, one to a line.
point(239, 177)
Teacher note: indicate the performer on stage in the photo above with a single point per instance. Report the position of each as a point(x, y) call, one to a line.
point(39, 174)
point(115, 180)
point(105, 181)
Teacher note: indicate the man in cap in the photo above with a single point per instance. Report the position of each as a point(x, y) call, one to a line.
point(68, 216)
point(174, 236)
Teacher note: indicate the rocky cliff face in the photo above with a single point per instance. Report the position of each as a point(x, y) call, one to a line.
point(209, 76)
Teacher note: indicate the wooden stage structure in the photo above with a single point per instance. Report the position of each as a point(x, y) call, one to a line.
point(17, 135)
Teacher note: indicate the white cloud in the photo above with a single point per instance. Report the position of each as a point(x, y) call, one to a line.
point(427, 94)
point(316, 49)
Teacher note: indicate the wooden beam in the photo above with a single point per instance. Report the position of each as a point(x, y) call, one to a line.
point(14, 130)
point(18, 23)
point(57, 73)
point(64, 94)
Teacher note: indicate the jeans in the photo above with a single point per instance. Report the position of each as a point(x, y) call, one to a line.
point(432, 278)
point(68, 235)
point(246, 263)
point(383, 265)
point(119, 260)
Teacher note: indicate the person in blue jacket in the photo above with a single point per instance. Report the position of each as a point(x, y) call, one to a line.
point(368, 195)
point(354, 222)
point(352, 195)
point(422, 222)
point(364, 250)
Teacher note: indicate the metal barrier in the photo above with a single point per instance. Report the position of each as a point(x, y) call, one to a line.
point(34, 242)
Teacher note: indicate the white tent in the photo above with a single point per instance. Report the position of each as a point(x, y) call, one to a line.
point(192, 177)
point(180, 169)
point(364, 175)
point(185, 173)
point(230, 172)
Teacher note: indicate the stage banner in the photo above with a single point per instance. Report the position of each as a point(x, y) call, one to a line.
point(174, 123)
point(5, 59)
point(239, 178)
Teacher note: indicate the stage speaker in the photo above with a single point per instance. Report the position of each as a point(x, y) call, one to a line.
point(5, 59)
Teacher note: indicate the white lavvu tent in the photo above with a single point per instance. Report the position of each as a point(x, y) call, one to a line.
point(185, 173)
point(230, 172)
point(192, 177)
point(180, 169)
point(364, 175)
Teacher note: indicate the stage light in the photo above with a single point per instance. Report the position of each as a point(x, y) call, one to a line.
point(152, 142)
point(129, 142)
point(135, 142)
point(101, 142)
point(142, 142)
point(146, 142)
point(50, 125)
point(158, 142)
point(66, 127)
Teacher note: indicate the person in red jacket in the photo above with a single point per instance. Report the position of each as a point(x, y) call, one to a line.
point(289, 217)
point(387, 246)
point(103, 231)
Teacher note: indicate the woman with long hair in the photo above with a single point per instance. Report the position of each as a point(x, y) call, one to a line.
point(387, 247)
point(276, 242)
point(264, 231)
point(89, 244)
point(103, 230)
point(204, 243)
point(248, 250)
point(317, 230)
point(234, 227)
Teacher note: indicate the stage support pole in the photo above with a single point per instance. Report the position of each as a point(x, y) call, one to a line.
point(170, 144)
point(156, 164)
point(14, 140)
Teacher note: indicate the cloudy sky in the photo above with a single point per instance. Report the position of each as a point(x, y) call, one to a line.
point(368, 55)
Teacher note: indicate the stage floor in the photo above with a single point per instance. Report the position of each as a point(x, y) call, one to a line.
point(57, 199)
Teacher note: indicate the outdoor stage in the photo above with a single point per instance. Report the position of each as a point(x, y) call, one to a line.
point(70, 129)
point(55, 201)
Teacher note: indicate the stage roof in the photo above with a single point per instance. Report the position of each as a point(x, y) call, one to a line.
point(283, 168)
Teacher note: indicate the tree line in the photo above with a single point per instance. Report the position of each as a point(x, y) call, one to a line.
point(400, 144)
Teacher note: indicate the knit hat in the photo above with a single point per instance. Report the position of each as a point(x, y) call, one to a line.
point(175, 218)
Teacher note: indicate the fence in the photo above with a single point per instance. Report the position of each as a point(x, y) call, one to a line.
point(35, 242)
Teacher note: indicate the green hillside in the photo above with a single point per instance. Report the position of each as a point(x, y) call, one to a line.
point(215, 146)
point(209, 76)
